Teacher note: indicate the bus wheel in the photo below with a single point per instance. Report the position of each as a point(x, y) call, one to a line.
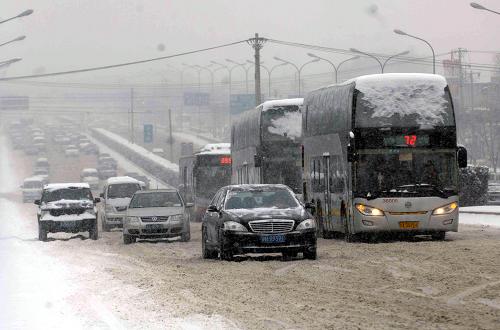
point(439, 236)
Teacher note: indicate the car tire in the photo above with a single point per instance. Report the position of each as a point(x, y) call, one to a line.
point(128, 239)
point(225, 254)
point(439, 236)
point(42, 232)
point(94, 232)
point(205, 251)
point(310, 254)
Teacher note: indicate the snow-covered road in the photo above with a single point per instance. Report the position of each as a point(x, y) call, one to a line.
point(72, 282)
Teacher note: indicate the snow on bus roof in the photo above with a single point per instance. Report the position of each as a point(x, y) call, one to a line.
point(376, 79)
point(121, 179)
point(140, 150)
point(280, 103)
point(57, 186)
point(215, 149)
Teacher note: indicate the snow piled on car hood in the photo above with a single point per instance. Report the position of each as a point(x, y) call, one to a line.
point(67, 203)
point(406, 94)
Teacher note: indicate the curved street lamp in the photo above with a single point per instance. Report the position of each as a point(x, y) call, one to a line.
point(9, 62)
point(354, 50)
point(481, 7)
point(269, 72)
point(299, 69)
point(24, 13)
point(393, 56)
point(13, 40)
point(244, 67)
point(336, 68)
point(397, 31)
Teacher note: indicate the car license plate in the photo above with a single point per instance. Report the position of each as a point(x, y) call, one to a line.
point(155, 226)
point(408, 225)
point(272, 239)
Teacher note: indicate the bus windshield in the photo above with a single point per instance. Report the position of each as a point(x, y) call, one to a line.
point(405, 173)
point(281, 123)
point(405, 104)
point(210, 178)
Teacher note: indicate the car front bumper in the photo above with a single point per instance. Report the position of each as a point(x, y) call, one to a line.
point(113, 219)
point(247, 242)
point(153, 230)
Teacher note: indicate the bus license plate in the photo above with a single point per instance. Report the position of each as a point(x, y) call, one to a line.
point(408, 225)
point(272, 239)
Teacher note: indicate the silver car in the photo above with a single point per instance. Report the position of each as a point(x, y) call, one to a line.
point(156, 214)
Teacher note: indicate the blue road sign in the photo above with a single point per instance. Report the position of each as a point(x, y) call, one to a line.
point(241, 102)
point(148, 133)
point(196, 99)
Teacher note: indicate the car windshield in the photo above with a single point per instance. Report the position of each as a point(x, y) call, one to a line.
point(122, 190)
point(67, 193)
point(156, 199)
point(252, 199)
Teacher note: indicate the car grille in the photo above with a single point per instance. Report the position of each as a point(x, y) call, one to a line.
point(271, 226)
point(155, 231)
point(121, 208)
point(154, 219)
point(59, 212)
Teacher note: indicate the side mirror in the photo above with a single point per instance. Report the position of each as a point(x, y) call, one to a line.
point(37, 202)
point(189, 205)
point(352, 156)
point(310, 207)
point(212, 208)
point(462, 157)
point(97, 200)
point(257, 160)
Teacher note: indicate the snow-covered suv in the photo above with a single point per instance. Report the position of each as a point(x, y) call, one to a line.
point(67, 207)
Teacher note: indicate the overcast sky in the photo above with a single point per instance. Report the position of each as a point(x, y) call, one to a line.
point(69, 34)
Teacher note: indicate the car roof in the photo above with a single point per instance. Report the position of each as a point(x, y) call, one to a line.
point(121, 179)
point(57, 186)
point(156, 191)
point(255, 187)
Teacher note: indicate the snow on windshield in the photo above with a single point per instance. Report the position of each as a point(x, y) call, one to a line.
point(402, 99)
point(288, 125)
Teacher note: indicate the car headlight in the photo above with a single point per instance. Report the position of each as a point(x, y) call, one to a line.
point(110, 208)
point(445, 209)
point(234, 226)
point(176, 219)
point(133, 220)
point(307, 224)
point(368, 210)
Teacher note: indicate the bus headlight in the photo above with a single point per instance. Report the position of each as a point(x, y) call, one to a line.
point(445, 209)
point(306, 224)
point(234, 226)
point(368, 210)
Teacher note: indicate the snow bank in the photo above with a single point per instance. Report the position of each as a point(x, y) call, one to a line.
point(480, 219)
point(486, 209)
point(406, 94)
point(215, 149)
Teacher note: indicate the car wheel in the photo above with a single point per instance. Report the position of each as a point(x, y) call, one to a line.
point(42, 232)
point(225, 254)
point(205, 251)
point(310, 254)
point(128, 239)
point(93, 232)
point(439, 236)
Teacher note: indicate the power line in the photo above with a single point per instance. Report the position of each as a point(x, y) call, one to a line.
point(112, 66)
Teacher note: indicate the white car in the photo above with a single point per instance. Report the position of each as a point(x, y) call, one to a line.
point(32, 188)
point(71, 151)
point(156, 214)
point(90, 176)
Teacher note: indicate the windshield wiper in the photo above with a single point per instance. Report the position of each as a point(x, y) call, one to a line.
point(441, 193)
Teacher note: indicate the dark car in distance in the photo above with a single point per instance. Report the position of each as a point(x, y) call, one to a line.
point(264, 218)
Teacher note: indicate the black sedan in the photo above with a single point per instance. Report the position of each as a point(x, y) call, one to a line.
point(257, 219)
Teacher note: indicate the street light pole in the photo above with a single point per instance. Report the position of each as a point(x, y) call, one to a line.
point(397, 31)
point(299, 70)
point(336, 68)
point(244, 68)
point(393, 56)
point(269, 72)
point(9, 62)
point(481, 7)
point(13, 40)
point(354, 50)
point(24, 13)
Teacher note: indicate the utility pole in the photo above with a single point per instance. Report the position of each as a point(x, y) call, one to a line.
point(132, 135)
point(461, 78)
point(170, 138)
point(257, 44)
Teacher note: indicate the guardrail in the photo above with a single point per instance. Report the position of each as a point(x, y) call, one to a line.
point(154, 164)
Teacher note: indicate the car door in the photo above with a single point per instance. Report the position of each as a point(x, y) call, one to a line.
point(210, 220)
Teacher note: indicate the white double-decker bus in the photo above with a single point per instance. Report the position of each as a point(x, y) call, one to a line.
point(380, 154)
